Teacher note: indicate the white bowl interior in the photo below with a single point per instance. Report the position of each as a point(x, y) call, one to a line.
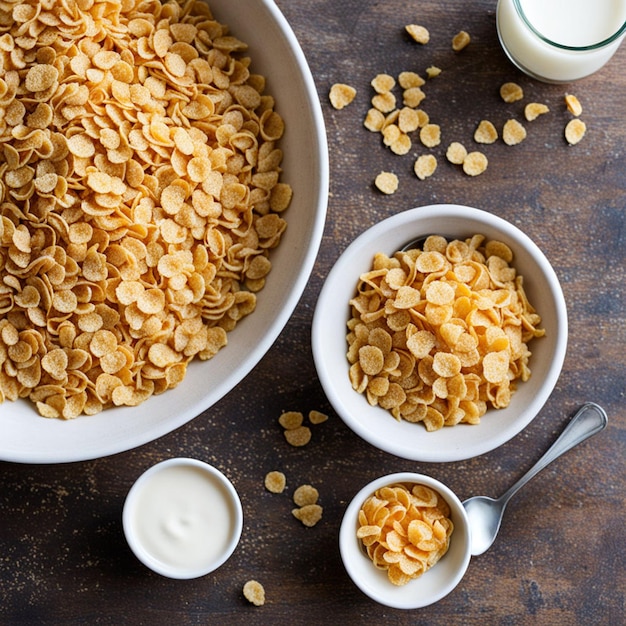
point(412, 441)
point(275, 52)
point(427, 589)
point(131, 518)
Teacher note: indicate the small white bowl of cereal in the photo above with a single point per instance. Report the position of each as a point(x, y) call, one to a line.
point(165, 225)
point(445, 351)
point(405, 540)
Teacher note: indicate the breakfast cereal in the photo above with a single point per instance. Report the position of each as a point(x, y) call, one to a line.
point(341, 95)
point(437, 335)
point(405, 529)
point(140, 198)
point(254, 592)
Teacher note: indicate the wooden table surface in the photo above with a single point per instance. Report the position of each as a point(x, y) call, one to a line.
point(560, 555)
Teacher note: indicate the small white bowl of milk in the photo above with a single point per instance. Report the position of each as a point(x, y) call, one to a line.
point(182, 518)
point(560, 41)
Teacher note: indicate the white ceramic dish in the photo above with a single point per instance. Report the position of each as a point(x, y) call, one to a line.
point(275, 52)
point(182, 518)
point(431, 586)
point(412, 441)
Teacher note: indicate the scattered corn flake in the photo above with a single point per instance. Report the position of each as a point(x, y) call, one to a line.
point(408, 119)
point(430, 135)
point(513, 132)
point(401, 145)
point(456, 153)
point(309, 514)
point(418, 33)
point(299, 436)
point(341, 95)
point(275, 482)
point(413, 96)
point(511, 92)
point(406, 80)
point(425, 166)
point(291, 419)
point(374, 120)
point(382, 83)
point(460, 41)
point(305, 494)
point(317, 417)
point(254, 592)
point(485, 133)
point(386, 182)
point(475, 163)
point(433, 71)
point(534, 109)
point(384, 102)
point(575, 131)
point(573, 104)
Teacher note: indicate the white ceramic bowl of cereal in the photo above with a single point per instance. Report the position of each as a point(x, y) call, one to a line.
point(461, 441)
point(427, 588)
point(275, 53)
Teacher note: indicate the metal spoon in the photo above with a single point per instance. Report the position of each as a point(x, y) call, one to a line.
point(485, 514)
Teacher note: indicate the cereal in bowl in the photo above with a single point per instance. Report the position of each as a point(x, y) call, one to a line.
point(440, 334)
point(405, 530)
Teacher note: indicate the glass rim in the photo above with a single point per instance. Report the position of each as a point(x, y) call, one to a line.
point(594, 46)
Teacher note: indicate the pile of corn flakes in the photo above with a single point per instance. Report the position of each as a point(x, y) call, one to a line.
point(139, 197)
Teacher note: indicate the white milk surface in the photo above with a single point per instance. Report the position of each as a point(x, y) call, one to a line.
point(575, 22)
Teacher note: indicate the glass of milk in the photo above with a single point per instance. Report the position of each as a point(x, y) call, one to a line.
point(560, 41)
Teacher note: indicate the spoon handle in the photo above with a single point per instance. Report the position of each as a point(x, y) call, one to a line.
point(589, 420)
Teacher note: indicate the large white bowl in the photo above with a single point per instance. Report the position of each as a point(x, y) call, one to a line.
point(376, 425)
point(26, 437)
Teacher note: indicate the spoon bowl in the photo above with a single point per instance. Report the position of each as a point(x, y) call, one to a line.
point(485, 514)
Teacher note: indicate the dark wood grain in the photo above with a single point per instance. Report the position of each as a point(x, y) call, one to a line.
point(560, 555)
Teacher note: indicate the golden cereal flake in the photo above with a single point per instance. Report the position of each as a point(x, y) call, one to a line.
point(460, 41)
point(298, 437)
point(534, 109)
point(513, 132)
point(425, 166)
point(574, 131)
point(374, 120)
point(341, 95)
point(317, 417)
point(475, 163)
point(254, 592)
point(485, 132)
point(384, 102)
point(407, 79)
point(430, 135)
point(309, 514)
point(573, 104)
point(511, 92)
point(418, 33)
point(275, 482)
point(291, 419)
point(386, 182)
point(382, 83)
point(433, 71)
point(413, 96)
point(305, 494)
point(456, 153)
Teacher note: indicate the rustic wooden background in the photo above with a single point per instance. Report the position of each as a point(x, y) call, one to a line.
point(560, 555)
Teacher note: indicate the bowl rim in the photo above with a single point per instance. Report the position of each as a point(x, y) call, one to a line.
point(364, 243)
point(381, 590)
point(32, 444)
point(158, 566)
